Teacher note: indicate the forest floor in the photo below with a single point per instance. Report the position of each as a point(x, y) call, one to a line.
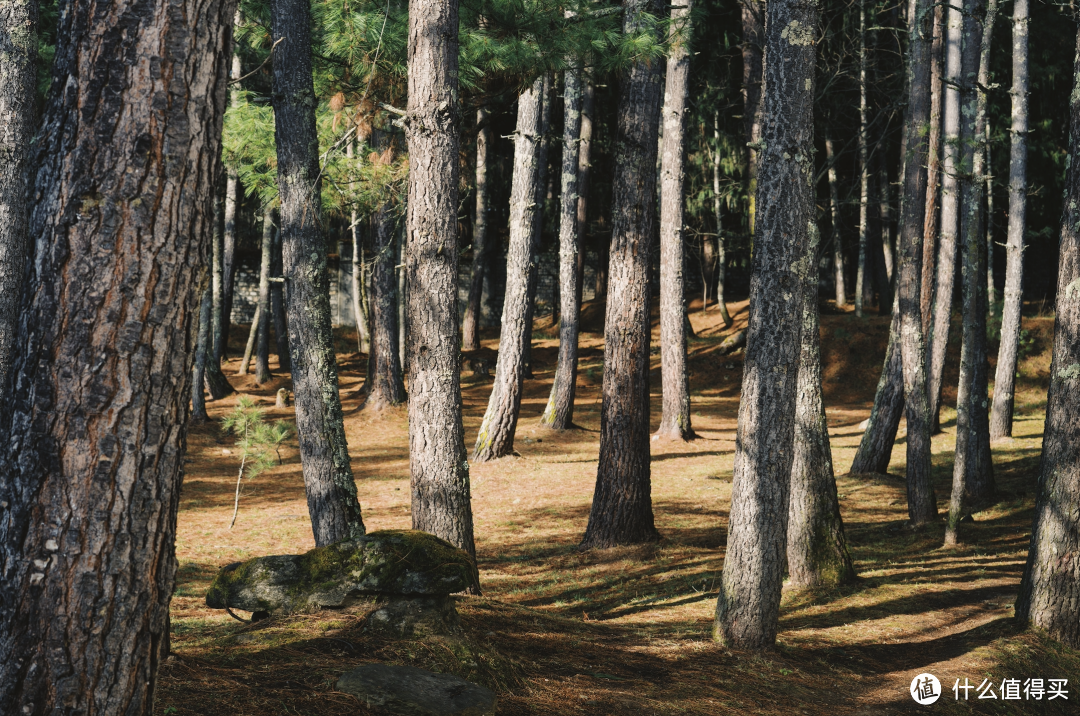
point(628, 631)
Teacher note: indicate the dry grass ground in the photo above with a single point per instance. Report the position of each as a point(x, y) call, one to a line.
point(627, 631)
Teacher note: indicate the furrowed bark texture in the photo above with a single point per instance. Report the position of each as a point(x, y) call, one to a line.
point(441, 502)
point(748, 607)
point(262, 350)
point(675, 421)
point(1001, 416)
point(538, 219)
point(922, 504)
point(216, 382)
point(95, 422)
point(496, 436)
point(834, 215)
point(18, 77)
point(622, 499)
point(933, 175)
point(387, 384)
point(198, 371)
point(951, 168)
point(817, 552)
point(753, 48)
point(470, 328)
point(1050, 588)
point(324, 453)
point(559, 413)
point(973, 469)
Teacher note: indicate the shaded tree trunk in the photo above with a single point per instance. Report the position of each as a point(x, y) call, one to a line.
point(216, 382)
point(861, 278)
point(817, 552)
point(324, 453)
point(834, 215)
point(471, 326)
point(933, 175)
point(675, 421)
point(1001, 416)
point(622, 499)
point(441, 502)
point(884, 266)
point(249, 348)
point(753, 47)
point(277, 303)
point(95, 421)
point(749, 604)
point(262, 351)
point(223, 299)
point(538, 219)
point(588, 102)
point(198, 370)
point(720, 254)
point(1050, 588)
point(387, 384)
point(988, 180)
point(18, 79)
point(876, 446)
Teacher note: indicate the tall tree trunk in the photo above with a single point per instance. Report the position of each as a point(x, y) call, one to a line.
point(950, 214)
point(402, 297)
point(559, 413)
point(922, 503)
point(496, 436)
point(817, 552)
point(538, 218)
point(876, 446)
point(885, 269)
point(933, 175)
point(324, 453)
point(588, 102)
point(988, 180)
point(18, 79)
point(861, 279)
point(216, 382)
point(249, 348)
point(387, 385)
point(1050, 588)
point(753, 47)
point(277, 303)
point(720, 253)
point(675, 421)
point(471, 326)
point(441, 502)
point(223, 299)
point(1001, 416)
point(95, 423)
point(622, 499)
point(198, 370)
point(749, 604)
point(973, 468)
point(356, 275)
point(834, 215)
point(262, 350)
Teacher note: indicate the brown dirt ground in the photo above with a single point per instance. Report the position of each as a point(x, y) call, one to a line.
point(627, 631)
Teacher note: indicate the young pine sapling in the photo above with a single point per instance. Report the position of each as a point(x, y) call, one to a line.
point(257, 440)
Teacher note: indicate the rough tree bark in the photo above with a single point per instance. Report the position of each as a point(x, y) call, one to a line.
point(496, 436)
point(538, 219)
point(262, 350)
point(324, 453)
point(198, 370)
point(387, 384)
point(441, 501)
point(471, 325)
point(223, 299)
point(753, 47)
point(622, 499)
point(1001, 415)
point(933, 175)
point(1050, 588)
point(876, 445)
point(861, 279)
point(559, 413)
point(95, 423)
point(675, 421)
point(719, 262)
point(18, 78)
point(834, 215)
point(817, 552)
point(748, 607)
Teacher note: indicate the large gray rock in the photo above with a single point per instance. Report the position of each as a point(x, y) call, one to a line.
point(391, 563)
point(415, 692)
point(411, 617)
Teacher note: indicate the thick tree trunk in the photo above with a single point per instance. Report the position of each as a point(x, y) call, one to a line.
point(95, 423)
point(542, 191)
point(817, 552)
point(1050, 588)
point(559, 413)
point(973, 468)
point(922, 503)
point(496, 436)
point(876, 446)
point(719, 262)
point(387, 384)
point(622, 499)
point(262, 350)
point(753, 48)
point(324, 453)
point(18, 79)
point(933, 175)
point(216, 382)
point(198, 371)
point(441, 502)
point(1001, 416)
point(950, 214)
point(471, 325)
point(277, 303)
point(749, 604)
point(834, 215)
point(675, 421)
point(861, 278)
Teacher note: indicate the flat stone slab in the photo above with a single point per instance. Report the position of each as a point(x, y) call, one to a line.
point(389, 562)
point(410, 691)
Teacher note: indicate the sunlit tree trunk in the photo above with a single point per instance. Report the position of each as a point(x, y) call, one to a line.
point(538, 219)
point(588, 102)
point(471, 326)
point(387, 384)
point(356, 275)
point(753, 46)
point(198, 370)
point(262, 351)
point(223, 297)
point(933, 178)
point(834, 215)
point(876, 445)
point(861, 278)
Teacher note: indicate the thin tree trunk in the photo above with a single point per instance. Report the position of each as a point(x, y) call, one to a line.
point(538, 219)
point(216, 382)
point(834, 215)
point(441, 502)
point(277, 302)
point(402, 297)
point(817, 552)
point(1001, 416)
point(753, 47)
point(748, 608)
point(95, 422)
point(991, 292)
point(720, 254)
point(198, 370)
point(876, 446)
point(973, 468)
point(356, 276)
point(249, 348)
point(861, 279)
point(1050, 588)
point(18, 79)
point(496, 436)
point(471, 326)
point(559, 413)
point(950, 215)
point(885, 267)
point(588, 102)
point(933, 178)
point(675, 421)
point(324, 453)
point(387, 385)
point(622, 499)
point(224, 299)
point(262, 351)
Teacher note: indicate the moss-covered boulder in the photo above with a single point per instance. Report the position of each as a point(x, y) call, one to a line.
point(406, 563)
